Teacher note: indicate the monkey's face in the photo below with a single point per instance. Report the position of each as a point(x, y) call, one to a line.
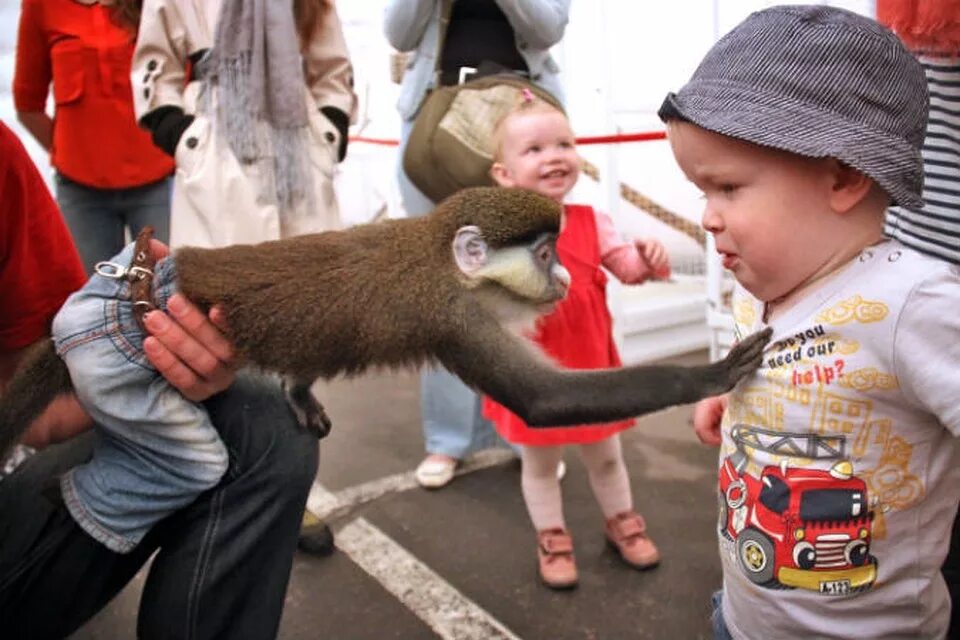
point(518, 282)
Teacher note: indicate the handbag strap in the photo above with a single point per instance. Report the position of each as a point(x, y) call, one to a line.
point(446, 9)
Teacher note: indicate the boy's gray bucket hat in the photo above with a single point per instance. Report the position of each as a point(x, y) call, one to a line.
point(819, 82)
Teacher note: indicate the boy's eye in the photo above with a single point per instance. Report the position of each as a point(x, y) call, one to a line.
point(727, 188)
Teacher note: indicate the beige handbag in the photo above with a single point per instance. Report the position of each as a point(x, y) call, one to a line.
point(450, 145)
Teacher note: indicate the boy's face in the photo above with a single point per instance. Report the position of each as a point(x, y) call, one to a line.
point(769, 210)
point(538, 153)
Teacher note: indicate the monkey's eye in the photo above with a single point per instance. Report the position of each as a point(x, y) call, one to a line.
point(544, 254)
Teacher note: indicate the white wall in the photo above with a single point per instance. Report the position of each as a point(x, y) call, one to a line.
point(619, 58)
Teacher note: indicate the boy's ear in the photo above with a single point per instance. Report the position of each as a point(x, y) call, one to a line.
point(501, 175)
point(848, 186)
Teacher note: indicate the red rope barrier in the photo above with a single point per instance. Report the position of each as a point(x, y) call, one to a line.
point(383, 141)
point(618, 138)
point(624, 137)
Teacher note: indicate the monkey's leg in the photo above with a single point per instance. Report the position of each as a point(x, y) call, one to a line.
point(310, 413)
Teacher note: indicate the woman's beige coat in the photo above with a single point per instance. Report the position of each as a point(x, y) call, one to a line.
point(215, 200)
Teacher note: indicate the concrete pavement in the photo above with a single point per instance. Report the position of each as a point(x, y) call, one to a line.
point(460, 562)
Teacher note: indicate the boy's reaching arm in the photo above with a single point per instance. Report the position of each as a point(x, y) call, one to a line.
point(707, 415)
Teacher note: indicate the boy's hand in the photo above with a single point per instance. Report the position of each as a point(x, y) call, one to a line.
point(707, 415)
point(655, 255)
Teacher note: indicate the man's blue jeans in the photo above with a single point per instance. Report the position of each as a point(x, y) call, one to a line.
point(222, 563)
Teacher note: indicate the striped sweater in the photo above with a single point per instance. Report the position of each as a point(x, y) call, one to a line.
point(934, 229)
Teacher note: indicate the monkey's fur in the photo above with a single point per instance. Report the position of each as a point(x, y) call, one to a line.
point(391, 294)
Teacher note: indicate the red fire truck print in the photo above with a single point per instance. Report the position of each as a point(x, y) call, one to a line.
point(797, 527)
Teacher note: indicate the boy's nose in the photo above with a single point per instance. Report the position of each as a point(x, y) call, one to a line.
point(711, 220)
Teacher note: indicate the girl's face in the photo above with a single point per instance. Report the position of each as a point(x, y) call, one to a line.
point(538, 153)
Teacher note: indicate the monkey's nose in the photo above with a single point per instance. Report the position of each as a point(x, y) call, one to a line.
point(562, 277)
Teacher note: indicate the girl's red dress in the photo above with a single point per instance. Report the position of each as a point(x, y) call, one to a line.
point(577, 335)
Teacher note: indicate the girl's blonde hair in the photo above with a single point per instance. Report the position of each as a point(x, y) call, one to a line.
point(527, 102)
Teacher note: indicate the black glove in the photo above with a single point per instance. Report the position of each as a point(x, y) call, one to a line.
point(166, 125)
point(341, 121)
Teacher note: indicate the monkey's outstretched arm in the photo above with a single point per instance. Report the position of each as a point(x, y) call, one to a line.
point(40, 378)
point(496, 363)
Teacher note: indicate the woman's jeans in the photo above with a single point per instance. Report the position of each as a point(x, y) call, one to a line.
point(99, 218)
point(452, 421)
point(222, 562)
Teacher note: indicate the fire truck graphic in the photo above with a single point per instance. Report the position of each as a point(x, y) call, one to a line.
point(796, 527)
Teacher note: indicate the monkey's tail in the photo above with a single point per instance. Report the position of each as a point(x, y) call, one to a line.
point(40, 378)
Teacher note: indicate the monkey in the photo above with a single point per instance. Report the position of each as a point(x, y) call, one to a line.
point(452, 287)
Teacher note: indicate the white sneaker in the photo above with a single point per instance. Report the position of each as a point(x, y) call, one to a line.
point(561, 470)
point(436, 471)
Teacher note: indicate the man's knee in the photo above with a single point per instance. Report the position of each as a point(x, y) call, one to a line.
point(261, 432)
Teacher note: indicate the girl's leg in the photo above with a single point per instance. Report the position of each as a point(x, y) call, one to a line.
point(541, 488)
point(541, 492)
point(608, 475)
point(625, 529)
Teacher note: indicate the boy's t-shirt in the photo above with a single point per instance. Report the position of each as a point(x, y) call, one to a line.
point(840, 467)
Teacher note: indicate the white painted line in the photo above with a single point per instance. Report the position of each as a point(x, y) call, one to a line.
point(448, 612)
point(327, 505)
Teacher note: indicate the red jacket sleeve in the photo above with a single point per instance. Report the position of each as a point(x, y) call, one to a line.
point(39, 265)
point(33, 72)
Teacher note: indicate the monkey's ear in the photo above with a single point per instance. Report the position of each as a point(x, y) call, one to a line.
point(470, 250)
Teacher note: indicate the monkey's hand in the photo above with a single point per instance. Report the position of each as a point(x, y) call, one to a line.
point(743, 359)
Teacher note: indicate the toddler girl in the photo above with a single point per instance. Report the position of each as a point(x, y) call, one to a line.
point(535, 149)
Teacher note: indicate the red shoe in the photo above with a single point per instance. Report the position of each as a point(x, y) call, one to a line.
point(558, 569)
point(627, 533)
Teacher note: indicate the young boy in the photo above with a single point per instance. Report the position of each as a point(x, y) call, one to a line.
point(839, 474)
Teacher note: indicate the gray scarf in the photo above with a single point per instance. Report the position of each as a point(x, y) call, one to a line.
point(255, 63)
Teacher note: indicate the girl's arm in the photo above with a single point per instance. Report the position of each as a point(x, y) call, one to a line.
point(40, 126)
point(33, 74)
point(631, 262)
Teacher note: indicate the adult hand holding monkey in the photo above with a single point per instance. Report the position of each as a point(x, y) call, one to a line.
point(186, 346)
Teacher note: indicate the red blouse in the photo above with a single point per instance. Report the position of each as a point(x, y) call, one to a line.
point(96, 140)
point(577, 335)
